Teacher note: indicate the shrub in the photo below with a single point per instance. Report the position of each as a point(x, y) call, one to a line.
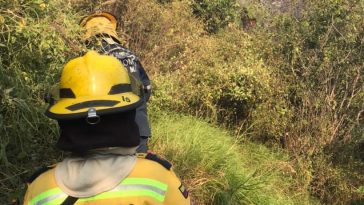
point(216, 14)
point(215, 76)
point(33, 47)
point(316, 55)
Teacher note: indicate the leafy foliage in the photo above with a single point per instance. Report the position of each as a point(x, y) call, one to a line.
point(317, 55)
point(31, 53)
point(216, 14)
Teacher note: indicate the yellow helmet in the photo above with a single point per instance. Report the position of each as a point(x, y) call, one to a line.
point(94, 85)
point(100, 23)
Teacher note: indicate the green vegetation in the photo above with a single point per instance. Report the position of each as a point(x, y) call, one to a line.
point(220, 170)
point(216, 14)
point(32, 49)
point(316, 48)
point(293, 83)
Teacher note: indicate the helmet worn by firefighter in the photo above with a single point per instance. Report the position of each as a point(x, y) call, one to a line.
point(100, 23)
point(94, 85)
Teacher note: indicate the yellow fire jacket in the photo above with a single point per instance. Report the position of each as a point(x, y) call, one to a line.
point(148, 184)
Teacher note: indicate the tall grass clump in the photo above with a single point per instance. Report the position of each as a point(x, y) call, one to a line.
point(35, 42)
point(216, 168)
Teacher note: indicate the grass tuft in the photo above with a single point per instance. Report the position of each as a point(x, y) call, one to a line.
point(217, 168)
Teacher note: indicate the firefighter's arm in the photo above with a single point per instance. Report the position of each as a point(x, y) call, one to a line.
point(145, 80)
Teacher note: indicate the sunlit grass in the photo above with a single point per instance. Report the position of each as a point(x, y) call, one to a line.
point(217, 168)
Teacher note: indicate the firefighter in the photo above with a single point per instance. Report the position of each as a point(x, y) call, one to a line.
point(96, 112)
point(100, 35)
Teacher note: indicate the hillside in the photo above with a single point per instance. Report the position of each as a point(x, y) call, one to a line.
point(253, 105)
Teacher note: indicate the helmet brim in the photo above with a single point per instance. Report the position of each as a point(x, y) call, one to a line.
point(107, 15)
point(74, 108)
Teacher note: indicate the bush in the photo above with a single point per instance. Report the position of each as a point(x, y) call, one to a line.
point(316, 55)
point(33, 47)
point(215, 76)
point(216, 14)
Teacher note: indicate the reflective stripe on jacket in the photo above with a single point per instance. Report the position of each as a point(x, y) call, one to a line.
point(148, 183)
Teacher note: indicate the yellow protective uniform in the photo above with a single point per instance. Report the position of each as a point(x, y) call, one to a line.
point(148, 184)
